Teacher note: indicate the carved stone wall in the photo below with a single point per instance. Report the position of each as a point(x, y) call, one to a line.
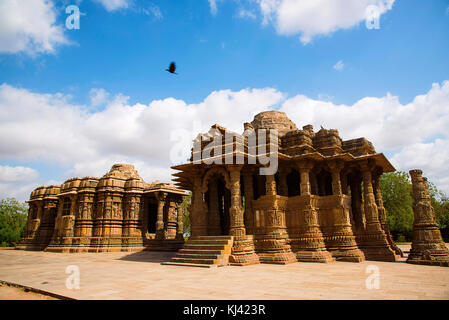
point(102, 215)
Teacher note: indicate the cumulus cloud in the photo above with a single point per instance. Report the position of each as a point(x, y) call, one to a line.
point(17, 174)
point(310, 18)
point(155, 136)
point(114, 5)
point(30, 27)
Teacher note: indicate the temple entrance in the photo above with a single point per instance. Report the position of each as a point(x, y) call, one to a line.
point(219, 201)
point(152, 217)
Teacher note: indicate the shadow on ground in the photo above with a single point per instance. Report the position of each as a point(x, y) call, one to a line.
point(148, 256)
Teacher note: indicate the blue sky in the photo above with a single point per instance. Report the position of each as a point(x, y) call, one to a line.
point(123, 51)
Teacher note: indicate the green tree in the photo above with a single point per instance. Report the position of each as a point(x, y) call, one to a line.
point(398, 201)
point(13, 217)
point(186, 214)
point(440, 204)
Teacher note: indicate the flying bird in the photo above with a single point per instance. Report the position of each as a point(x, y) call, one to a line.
point(172, 68)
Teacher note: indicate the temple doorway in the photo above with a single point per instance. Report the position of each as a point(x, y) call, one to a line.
point(218, 200)
point(152, 217)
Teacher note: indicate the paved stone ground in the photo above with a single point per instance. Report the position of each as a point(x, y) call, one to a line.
point(12, 293)
point(141, 276)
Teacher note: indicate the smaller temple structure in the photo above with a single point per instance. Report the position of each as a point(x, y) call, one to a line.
point(428, 246)
point(117, 212)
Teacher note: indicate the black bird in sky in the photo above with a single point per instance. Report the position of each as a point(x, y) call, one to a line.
point(172, 68)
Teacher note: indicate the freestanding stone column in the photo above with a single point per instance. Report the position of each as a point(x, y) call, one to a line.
point(428, 246)
point(243, 246)
point(161, 196)
point(374, 241)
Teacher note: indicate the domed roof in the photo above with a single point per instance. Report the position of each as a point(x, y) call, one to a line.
point(273, 120)
point(122, 171)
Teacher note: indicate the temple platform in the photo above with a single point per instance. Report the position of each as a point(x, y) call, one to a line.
point(140, 275)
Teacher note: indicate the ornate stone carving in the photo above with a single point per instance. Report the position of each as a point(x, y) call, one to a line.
point(427, 247)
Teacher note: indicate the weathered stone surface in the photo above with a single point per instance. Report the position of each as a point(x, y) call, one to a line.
point(312, 209)
point(427, 246)
point(111, 213)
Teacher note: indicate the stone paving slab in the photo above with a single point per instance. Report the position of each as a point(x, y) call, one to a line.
point(123, 275)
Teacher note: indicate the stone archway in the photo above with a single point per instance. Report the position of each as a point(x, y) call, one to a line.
point(216, 188)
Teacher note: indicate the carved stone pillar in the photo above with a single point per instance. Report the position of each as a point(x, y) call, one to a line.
point(272, 243)
point(308, 244)
point(242, 252)
point(180, 227)
point(371, 212)
point(161, 197)
point(336, 168)
point(270, 185)
point(374, 240)
point(304, 168)
point(237, 227)
point(170, 227)
point(428, 246)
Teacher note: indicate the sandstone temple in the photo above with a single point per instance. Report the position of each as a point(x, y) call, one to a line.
point(322, 203)
point(117, 212)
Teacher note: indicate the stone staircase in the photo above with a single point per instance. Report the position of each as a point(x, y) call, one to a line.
point(204, 251)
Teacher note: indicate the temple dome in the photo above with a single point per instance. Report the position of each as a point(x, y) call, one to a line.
point(122, 171)
point(273, 120)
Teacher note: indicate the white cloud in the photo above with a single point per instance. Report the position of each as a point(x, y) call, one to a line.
point(213, 6)
point(243, 13)
point(30, 27)
point(98, 96)
point(317, 17)
point(114, 5)
point(155, 11)
point(17, 174)
point(339, 66)
point(153, 137)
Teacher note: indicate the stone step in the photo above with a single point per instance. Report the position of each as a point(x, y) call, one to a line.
point(210, 238)
point(195, 251)
point(204, 251)
point(198, 255)
point(195, 260)
point(183, 264)
point(205, 246)
point(209, 241)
